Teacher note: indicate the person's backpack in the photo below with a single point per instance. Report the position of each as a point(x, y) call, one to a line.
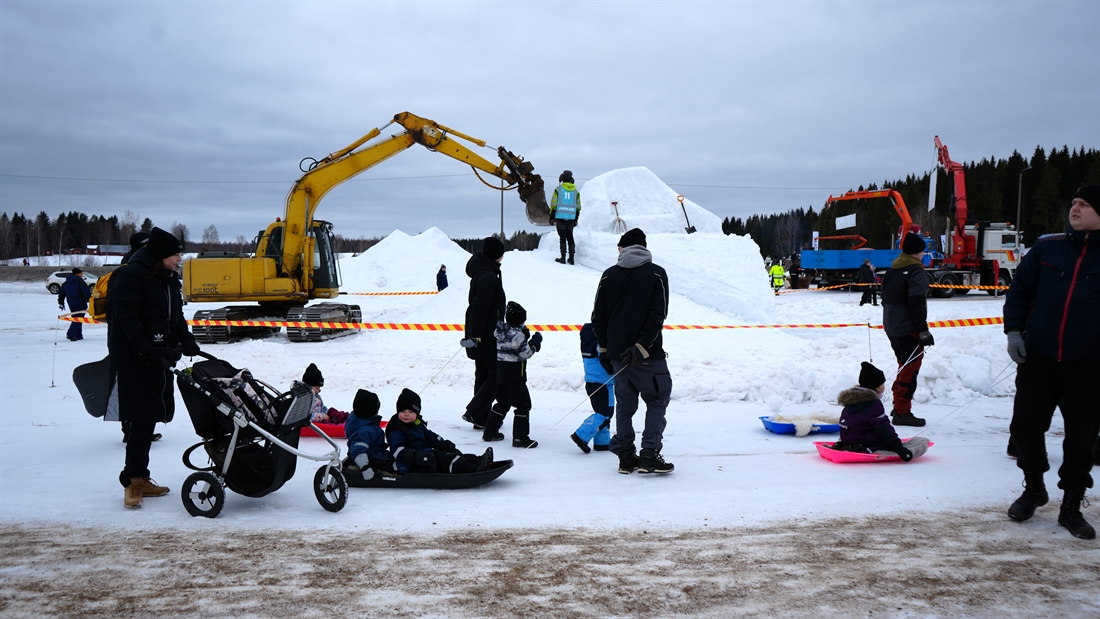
point(97, 305)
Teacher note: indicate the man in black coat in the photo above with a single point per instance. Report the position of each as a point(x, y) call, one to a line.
point(866, 277)
point(441, 278)
point(147, 331)
point(485, 310)
point(627, 319)
point(75, 291)
point(905, 320)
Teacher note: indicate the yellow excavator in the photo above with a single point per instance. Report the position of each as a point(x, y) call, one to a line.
point(294, 261)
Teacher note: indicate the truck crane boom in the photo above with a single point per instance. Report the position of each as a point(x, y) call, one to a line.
point(895, 199)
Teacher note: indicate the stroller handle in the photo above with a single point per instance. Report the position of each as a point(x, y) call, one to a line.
point(171, 365)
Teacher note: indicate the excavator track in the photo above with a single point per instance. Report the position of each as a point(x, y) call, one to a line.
point(225, 334)
point(322, 312)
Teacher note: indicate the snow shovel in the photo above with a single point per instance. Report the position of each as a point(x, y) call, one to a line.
point(617, 225)
point(690, 227)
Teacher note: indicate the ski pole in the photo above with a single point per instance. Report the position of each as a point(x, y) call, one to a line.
point(53, 364)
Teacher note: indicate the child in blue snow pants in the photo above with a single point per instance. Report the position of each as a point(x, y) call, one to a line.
point(597, 428)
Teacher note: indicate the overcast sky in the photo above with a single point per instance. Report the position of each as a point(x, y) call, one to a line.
point(745, 107)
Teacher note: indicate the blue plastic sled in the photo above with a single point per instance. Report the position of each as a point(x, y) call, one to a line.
point(788, 428)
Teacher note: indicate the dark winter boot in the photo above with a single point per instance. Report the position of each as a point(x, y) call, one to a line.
point(469, 418)
point(1034, 496)
point(570, 261)
point(524, 442)
point(628, 463)
point(1070, 516)
point(906, 419)
point(485, 461)
point(560, 260)
point(601, 448)
point(580, 443)
point(492, 427)
point(649, 461)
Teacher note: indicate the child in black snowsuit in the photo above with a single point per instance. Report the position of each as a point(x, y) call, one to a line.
point(864, 426)
point(368, 453)
point(513, 350)
point(417, 449)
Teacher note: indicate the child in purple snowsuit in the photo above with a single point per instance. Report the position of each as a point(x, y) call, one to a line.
point(864, 426)
point(601, 393)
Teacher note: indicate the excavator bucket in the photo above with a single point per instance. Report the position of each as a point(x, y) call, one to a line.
point(533, 195)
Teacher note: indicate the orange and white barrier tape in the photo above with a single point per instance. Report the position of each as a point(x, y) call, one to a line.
point(391, 294)
point(396, 326)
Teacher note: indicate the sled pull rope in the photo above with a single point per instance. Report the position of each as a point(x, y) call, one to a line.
point(432, 379)
point(53, 364)
point(603, 386)
point(954, 415)
point(870, 355)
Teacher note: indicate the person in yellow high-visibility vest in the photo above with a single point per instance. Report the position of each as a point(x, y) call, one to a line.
point(778, 274)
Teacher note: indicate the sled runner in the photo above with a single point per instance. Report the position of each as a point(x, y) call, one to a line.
point(434, 481)
point(779, 427)
point(847, 457)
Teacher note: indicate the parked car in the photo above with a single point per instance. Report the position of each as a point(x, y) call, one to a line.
point(54, 281)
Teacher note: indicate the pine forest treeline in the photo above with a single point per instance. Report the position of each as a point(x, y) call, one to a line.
point(991, 191)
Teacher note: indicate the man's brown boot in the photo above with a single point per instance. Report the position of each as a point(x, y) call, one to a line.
point(132, 499)
point(150, 488)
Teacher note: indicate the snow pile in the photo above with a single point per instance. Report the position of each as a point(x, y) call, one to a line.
point(403, 263)
point(644, 201)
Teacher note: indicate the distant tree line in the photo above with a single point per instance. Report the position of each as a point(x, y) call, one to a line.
point(991, 191)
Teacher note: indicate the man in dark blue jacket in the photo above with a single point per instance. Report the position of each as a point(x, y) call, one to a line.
point(627, 318)
point(76, 292)
point(1052, 319)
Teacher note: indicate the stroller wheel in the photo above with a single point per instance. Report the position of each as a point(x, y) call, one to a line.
point(203, 495)
point(331, 488)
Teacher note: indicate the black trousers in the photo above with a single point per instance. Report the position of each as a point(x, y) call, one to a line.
point(485, 389)
point(511, 395)
point(870, 295)
point(138, 441)
point(1040, 383)
point(651, 381)
point(565, 236)
point(906, 348)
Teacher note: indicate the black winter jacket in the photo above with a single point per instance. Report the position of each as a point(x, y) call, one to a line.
point(631, 304)
point(75, 292)
point(486, 306)
point(904, 297)
point(146, 311)
point(1055, 297)
point(866, 275)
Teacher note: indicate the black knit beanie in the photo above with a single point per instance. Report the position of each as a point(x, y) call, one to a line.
point(138, 240)
point(408, 401)
point(1090, 194)
point(566, 177)
point(871, 377)
point(365, 405)
point(313, 377)
point(634, 236)
point(912, 244)
point(514, 314)
point(493, 248)
point(162, 244)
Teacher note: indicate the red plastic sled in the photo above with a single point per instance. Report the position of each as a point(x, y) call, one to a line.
point(846, 457)
point(333, 430)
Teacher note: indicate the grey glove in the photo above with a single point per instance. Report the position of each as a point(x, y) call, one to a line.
point(469, 342)
point(1016, 348)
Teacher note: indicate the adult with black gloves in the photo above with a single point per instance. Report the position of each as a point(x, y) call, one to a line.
point(147, 334)
point(565, 212)
point(485, 308)
point(75, 292)
point(627, 319)
point(1052, 318)
point(905, 320)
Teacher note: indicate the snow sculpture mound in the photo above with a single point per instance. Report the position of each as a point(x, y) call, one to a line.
point(401, 262)
point(644, 201)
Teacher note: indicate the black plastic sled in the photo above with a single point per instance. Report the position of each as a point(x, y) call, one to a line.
point(92, 380)
point(434, 481)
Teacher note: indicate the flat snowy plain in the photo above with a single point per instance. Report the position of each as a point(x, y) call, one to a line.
point(750, 524)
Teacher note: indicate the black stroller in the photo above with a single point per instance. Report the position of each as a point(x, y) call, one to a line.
point(250, 432)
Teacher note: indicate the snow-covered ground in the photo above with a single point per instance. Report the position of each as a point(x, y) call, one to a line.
point(737, 488)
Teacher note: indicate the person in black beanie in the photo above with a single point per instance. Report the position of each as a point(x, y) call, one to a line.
point(416, 449)
point(864, 427)
point(486, 303)
point(905, 320)
point(147, 334)
point(515, 345)
point(627, 318)
point(565, 212)
point(1052, 323)
point(368, 453)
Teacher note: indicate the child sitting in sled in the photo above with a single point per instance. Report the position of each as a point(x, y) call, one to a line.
point(320, 412)
point(416, 449)
point(601, 393)
point(515, 345)
point(864, 426)
point(368, 453)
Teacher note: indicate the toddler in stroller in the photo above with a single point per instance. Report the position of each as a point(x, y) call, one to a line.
point(250, 432)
